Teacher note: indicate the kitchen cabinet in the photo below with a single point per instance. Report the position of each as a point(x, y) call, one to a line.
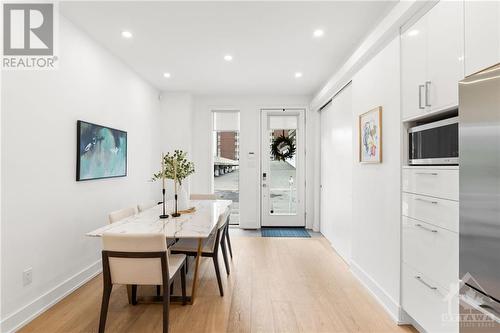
point(413, 66)
point(482, 35)
point(430, 209)
point(434, 307)
point(432, 60)
point(445, 55)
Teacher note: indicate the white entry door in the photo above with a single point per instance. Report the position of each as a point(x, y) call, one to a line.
point(282, 176)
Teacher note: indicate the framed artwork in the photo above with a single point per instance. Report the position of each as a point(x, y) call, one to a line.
point(370, 136)
point(101, 152)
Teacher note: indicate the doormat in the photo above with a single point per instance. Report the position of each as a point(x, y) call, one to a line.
point(285, 232)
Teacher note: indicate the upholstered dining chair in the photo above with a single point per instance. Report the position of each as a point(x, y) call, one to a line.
point(146, 205)
point(139, 259)
point(170, 241)
point(214, 197)
point(189, 247)
point(121, 214)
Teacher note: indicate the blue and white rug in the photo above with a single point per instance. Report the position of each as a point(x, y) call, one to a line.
point(285, 232)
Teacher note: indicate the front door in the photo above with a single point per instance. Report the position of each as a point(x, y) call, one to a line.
point(282, 169)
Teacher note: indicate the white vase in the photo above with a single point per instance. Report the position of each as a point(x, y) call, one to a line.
point(183, 201)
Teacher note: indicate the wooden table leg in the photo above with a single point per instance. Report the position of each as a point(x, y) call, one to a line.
point(129, 293)
point(195, 276)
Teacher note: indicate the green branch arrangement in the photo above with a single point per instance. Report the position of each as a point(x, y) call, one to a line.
point(175, 166)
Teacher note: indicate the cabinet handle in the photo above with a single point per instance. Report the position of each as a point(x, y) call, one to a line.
point(419, 278)
point(428, 201)
point(427, 93)
point(425, 228)
point(420, 96)
point(427, 173)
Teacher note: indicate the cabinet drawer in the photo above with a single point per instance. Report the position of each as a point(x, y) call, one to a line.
point(441, 183)
point(440, 212)
point(431, 250)
point(427, 303)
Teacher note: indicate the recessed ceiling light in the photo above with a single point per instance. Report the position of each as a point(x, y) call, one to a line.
point(126, 34)
point(167, 75)
point(413, 32)
point(228, 57)
point(298, 74)
point(318, 33)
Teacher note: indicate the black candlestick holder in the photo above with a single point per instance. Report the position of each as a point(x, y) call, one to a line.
point(164, 215)
point(176, 213)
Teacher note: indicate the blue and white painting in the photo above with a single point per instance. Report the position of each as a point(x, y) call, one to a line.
point(102, 152)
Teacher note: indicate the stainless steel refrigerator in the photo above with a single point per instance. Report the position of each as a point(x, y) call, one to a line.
point(479, 154)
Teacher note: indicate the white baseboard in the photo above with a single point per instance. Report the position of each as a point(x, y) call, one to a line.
point(406, 319)
point(24, 315)
point(345, 258)
point(388, 303)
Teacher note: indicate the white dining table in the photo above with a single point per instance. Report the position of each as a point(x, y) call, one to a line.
point(198, 224)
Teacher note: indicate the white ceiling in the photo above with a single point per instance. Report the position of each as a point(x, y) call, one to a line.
point(269, 41)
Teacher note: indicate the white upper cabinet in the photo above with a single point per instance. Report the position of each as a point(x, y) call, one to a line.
point(445, 66)
point(414, 67)
point(432, 60)
point(482, 35)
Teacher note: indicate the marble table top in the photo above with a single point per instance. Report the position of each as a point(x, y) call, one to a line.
point(198, 224)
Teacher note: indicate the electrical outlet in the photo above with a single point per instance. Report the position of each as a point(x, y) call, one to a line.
point(27, 276)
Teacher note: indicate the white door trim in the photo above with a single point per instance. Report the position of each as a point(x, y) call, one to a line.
point(299, 219)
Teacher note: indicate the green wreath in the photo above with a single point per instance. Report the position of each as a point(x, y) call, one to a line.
point(282, 148)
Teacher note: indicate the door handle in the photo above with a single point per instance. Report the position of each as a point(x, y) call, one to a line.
point(427, 93)
point(420, 96)
point(427, 173)
point(478, 305)
point(490, 309)
point(425, 228)
point(419, 278)
point(428, 201)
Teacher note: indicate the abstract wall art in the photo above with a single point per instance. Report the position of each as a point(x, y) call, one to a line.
point(370, 136)
point(101, 152)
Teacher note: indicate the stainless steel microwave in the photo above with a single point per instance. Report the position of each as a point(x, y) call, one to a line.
point(434, 143)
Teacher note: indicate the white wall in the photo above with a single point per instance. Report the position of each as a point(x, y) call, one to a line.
point(45, 212)
point(176, 110)
point(249, 107)
point(336, 172)
point(176, 121)
point(376, 187)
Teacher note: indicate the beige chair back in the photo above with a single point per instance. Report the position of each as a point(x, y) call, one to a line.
point(131, 270)
point(146, 205)
point(203, 197)
point(121, 214)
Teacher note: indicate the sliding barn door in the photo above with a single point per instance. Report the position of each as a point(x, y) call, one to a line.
point(336, 172)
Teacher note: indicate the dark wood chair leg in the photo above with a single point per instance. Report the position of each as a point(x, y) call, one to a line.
point(106, 294)
point(217, 272)
point(183, 284)
point(134, 294)
point(158, 290)
point(224, 255)
point(229, 241)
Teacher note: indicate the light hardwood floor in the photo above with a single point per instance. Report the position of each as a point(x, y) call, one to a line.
point(276, 285)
